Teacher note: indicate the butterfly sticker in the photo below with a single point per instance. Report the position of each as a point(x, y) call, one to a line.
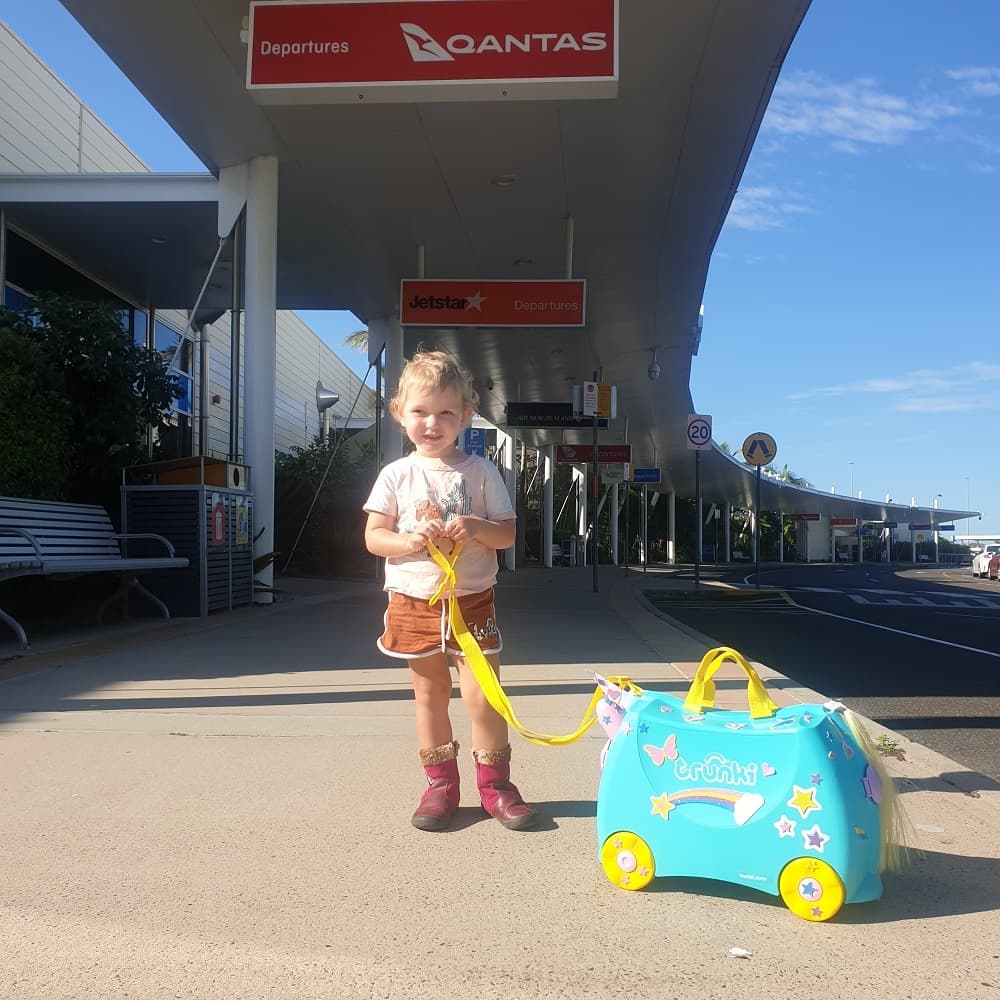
point(659, 754)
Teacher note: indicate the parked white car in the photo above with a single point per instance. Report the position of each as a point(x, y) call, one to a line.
point(981, 562)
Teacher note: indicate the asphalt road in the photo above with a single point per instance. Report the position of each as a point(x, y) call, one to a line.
point(918, 650)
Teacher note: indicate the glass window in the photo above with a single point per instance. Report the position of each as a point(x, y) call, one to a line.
point(140, 327)
point(14, 299)
point(185, 401)
point(165, 340)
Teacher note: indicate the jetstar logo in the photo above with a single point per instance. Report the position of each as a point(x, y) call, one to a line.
point(448, 302)
point(424, 48)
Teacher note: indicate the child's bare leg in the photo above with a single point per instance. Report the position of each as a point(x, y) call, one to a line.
point(431, 680)
point(489, 730)
point(491, 752)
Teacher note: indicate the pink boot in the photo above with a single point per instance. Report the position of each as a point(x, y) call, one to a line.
point(441, 797)
point(499, 797)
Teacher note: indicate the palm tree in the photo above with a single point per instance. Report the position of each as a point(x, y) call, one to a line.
point(357, 341)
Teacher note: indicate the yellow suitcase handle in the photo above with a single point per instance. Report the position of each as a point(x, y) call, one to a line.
point(701, 694)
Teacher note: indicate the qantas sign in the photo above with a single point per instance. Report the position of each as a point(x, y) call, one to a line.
point(352, 50)
point(423, 48)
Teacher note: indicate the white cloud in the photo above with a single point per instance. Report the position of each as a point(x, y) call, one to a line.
point(850, 115)
point(761, 208)
point(979, 81)
point(958, 389)
point(940, 404)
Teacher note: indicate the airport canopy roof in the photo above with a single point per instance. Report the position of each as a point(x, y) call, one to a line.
point(486, 187)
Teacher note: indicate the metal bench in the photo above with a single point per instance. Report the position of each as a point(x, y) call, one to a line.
point(66, 540)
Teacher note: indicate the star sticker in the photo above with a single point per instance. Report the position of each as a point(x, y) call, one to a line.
point(808, 889)
point(661, 805)
point(618, 843)
point(817, 911)
point(475, 301)
point(804, 800)
point(816, 779)
point(814, 839)
point(606, 719)
point(785, 826)
point(643, 728)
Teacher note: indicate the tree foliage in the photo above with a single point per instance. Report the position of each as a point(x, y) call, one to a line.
point(96, 394)
point(332, 542)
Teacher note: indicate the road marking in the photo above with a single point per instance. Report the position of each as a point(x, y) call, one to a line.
point(897, 631)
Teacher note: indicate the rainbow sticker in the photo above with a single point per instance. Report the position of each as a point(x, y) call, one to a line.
point(742, 805)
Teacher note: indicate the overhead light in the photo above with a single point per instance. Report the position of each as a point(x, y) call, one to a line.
point(503, 180)
point(158, 241)
point(653, 371)
point(518, 261)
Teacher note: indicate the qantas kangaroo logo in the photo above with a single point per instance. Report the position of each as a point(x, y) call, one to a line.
point(422, 47)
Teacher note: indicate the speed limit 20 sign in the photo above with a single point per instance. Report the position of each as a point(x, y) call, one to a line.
point(699, 432)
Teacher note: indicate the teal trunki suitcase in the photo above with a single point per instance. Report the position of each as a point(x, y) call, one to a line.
point(792, 801)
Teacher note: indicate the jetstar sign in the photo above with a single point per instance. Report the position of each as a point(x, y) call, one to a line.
point(492, 303)
point(425, 49)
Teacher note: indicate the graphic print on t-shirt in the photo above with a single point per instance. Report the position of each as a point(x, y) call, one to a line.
point(455, 503)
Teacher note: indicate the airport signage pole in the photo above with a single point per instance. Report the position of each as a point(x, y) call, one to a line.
point(758, 449)
point(699, 439)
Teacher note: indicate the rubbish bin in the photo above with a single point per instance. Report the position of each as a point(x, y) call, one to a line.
point(211, 525)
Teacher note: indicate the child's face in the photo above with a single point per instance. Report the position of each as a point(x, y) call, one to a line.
point(433, 418)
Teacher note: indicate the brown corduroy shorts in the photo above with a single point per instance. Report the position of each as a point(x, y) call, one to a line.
point(414, 629)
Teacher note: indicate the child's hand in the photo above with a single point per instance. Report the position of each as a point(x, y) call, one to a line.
point(464, 528)
point(429, 530)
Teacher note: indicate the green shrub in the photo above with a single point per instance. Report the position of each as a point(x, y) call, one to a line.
point(34, 418)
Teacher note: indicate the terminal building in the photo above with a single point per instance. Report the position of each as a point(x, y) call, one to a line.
point(86, 177)
point(627, 183)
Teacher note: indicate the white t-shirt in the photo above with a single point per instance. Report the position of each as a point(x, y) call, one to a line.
point(413, 490)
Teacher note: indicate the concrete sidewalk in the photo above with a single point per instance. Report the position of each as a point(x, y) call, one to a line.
point(221, 808)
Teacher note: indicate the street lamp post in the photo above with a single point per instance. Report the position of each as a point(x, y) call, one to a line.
point(937, 544)
point(968, 501)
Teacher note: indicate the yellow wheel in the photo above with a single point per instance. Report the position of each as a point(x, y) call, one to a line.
point(811, 889)
point(627, 861)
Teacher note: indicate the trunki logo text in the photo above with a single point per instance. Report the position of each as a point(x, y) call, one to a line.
point(716, 770)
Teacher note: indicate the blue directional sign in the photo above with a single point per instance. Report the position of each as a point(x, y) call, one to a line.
point(759, 449)
point(946, 527)
point(645, 475)
point(475, 441)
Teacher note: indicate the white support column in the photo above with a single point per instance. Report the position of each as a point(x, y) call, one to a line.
point(727, 531)
point(510, 479)
point(260, 355)
point(548, 501)
point(393, 437)
point(580, 478)
point(672, 529)
point(614, 524)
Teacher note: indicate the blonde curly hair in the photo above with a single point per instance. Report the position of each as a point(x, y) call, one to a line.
point(434, 370)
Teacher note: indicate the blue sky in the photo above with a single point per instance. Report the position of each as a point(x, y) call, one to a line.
point(852, 309)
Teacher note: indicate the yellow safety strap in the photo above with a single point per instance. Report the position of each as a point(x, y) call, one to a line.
point(484, 673)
